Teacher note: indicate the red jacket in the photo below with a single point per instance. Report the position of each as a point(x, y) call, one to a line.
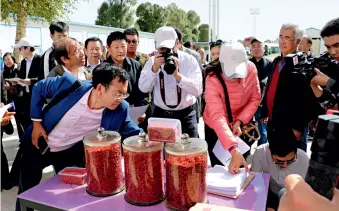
point(244, 97)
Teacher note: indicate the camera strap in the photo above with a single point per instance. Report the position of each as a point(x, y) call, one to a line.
point(162, 90)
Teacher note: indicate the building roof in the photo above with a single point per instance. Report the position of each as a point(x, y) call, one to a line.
point(313, 29)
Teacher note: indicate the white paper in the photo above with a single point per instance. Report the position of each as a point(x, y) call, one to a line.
point(220, 180)
point(13, 79)
point(136, 112)
point(22, 84)
point(224, 156)
point(3, 109)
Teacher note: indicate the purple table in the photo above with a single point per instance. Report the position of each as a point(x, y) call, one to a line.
point(55, 195)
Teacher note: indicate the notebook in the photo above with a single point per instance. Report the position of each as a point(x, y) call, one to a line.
point(221, 182)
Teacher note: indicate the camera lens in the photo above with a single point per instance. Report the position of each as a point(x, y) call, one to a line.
point(169, 67)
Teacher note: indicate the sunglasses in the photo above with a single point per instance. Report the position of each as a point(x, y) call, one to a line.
point(132, 41)
point(215, 43)
point(281, 162)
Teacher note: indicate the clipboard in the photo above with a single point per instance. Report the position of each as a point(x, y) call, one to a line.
point(249, 178)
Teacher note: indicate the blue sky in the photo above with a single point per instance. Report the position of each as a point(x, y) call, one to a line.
point(235, 19)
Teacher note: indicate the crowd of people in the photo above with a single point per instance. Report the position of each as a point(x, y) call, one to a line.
point(73, 89)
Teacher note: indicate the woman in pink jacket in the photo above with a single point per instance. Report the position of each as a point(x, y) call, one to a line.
point(240, 77)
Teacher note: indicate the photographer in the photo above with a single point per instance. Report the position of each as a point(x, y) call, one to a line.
point(176, 81)
point(328, 76)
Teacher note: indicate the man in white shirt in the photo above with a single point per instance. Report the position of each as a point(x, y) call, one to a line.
point(175, 87)
point(279, 158)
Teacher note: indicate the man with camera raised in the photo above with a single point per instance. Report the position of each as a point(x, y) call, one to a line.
point(328, 78)
point(176, 80)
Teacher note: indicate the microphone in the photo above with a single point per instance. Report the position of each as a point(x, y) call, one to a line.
point(323, 171)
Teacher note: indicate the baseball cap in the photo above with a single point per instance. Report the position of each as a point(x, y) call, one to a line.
point(256, 40)
point(233, 60)
point(165, 37)
point(23, 42)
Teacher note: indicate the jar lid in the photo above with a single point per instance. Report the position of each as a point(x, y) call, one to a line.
point(141, 143)
point(101, 137)
point(186, 146)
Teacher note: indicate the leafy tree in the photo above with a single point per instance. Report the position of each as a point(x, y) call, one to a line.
point(203, 33)
point(46, 10)
point(150, 17)
point(116, 13)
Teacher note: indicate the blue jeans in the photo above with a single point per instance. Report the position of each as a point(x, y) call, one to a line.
point(302, 144)
point(262, 127)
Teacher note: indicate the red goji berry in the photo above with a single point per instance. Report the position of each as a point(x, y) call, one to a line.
point(104, 170)
point(186, 180)
point(144, 177)
point(73, 175)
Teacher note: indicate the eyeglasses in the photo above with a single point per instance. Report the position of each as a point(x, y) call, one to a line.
point(132, 41)
point(281, 38)
point(281, 162)
point(216, 43)
point(119, 96)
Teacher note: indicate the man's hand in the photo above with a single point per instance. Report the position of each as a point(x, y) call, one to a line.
point(297, 134)
point(300, 196)
point(158, 61)
point(247, 41)
point(26, 81)
point(6, 118)
point(236, 161)
point(236, 128)
point(317, 90)
point(320, 79)
point(38, 131)
point(142, 118)
point(176, 73)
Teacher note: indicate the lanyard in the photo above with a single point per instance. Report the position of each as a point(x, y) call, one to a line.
point(162, 91)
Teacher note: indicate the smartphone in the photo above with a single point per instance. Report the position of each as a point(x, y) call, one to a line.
point(43, 146)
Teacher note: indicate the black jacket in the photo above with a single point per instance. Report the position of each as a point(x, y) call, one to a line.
point(51, 62)
point(35, 72)
point(133, 68)
point(291, 102)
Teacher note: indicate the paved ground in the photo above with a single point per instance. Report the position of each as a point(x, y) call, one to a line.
point(11, 143)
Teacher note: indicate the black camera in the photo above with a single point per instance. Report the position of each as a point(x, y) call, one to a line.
point(169, 66)
point(323, 170)
point(305, 65)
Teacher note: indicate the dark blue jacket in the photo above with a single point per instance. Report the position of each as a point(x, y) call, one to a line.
point(116, 120)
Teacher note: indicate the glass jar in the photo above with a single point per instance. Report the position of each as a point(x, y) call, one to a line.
point(186, 167)
point(103, 163)
point(144, 167)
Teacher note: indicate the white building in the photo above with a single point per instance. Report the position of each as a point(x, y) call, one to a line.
point(39, 34)
point(318, 46)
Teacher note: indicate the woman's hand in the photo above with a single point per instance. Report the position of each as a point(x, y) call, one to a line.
point(236, 161)
point(236, 128)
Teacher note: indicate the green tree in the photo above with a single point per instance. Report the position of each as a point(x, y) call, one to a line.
point(47, 10)
point(150, 17)
point(203, 33)
point(186, 22)
point(116, 13)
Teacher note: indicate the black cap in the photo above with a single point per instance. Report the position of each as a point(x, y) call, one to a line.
point(255, 40)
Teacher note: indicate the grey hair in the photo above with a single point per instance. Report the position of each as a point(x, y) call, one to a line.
point(298, 33)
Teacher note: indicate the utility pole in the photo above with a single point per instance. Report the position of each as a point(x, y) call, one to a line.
point(254, 12)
